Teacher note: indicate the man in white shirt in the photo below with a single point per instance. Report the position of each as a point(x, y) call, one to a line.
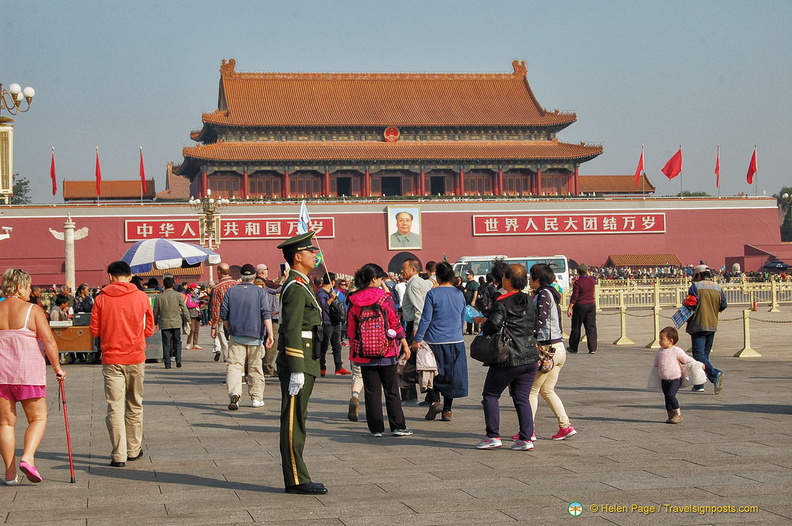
point(412, 303)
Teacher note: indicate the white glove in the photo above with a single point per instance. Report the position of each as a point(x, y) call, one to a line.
point(296, 382)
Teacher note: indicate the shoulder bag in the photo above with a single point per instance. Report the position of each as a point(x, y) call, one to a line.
point(491, 349)
point(546, 353)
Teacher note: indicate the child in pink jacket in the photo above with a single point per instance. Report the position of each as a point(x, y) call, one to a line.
point(669, 360)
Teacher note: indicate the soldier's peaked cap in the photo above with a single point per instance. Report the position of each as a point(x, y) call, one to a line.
point(297, 243)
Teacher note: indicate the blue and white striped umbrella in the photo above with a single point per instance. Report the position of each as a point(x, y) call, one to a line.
point(164, 254)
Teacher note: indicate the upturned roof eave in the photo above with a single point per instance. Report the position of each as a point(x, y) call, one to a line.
point(216, 119)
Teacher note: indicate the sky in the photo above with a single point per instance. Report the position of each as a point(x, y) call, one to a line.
point(120, 75)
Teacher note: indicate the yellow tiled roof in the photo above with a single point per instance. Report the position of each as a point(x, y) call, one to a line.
point(614, 184)
point(644, 260)
point(380, 99)
point(108, 189)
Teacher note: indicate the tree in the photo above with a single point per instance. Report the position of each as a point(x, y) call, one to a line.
point(692, 194)
point(785, 212)
point(21, 194)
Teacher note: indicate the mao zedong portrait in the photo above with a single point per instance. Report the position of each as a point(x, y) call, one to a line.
point(405, 236)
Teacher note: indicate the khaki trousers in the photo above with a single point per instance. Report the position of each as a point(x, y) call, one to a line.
point(123, 385)
point(221, 342)
point(235, 368)
point(544, 384)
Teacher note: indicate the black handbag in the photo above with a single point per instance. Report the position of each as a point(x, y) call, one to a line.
point(491, 349)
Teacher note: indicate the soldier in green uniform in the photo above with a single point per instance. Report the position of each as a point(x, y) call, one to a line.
point(298, 361)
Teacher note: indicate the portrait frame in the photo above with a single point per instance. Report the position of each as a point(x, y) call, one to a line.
point(414, 239)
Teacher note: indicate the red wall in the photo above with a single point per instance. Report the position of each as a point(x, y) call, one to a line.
point(708, 230)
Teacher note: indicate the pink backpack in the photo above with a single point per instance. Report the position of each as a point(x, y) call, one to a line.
point(371, 338)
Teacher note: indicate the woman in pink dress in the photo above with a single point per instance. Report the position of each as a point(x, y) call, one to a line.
point(23, 373)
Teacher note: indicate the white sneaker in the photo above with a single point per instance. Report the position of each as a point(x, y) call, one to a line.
point(522, 445)
point(258, 403)
point(489, 443)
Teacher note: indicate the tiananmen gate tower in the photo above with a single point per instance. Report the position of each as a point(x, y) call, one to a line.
point(281, 135)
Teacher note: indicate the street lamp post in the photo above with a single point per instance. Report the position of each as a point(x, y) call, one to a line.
point(208, 209)
point(11, 98)
point(10, 101)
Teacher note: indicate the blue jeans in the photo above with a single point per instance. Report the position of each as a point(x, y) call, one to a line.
point(702, 346)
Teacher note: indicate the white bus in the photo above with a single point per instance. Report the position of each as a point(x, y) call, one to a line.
point(559, 264)
point(481, 265)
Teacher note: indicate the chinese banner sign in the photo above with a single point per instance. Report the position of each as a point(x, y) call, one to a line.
point(554, 224)
point(230, 228)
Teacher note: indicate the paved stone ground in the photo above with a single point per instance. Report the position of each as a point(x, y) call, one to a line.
point(205, 465)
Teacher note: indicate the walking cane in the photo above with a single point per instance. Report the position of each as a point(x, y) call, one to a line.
point(68, 434)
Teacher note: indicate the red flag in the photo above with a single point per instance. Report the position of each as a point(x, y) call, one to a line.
point(52, 173)
point(674, 165)
point(142, 171)
point(98, 174)
point(640, 168)
point(717, 169)
point(752, 167)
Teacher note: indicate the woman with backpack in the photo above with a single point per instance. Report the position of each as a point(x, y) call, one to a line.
point(375, 340)
point(442, 321)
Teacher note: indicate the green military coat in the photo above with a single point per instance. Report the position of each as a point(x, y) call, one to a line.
point(300, 317)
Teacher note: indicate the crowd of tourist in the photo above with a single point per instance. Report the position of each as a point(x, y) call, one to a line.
point(685, 273)
point(404, 332)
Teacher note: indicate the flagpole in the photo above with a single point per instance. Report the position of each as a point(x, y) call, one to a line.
point(96, 169)
point(680, 177)
point(643, 174)
point(304, 217)
point(56, 176)
point(141, 184)
point(756, 184)
point(718, 174)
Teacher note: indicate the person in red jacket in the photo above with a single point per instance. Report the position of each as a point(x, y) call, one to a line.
point(122, 318)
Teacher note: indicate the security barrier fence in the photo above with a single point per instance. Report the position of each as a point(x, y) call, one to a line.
point(643, 300)
point(613, 294)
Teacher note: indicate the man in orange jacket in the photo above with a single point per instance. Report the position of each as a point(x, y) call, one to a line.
point(122, 318)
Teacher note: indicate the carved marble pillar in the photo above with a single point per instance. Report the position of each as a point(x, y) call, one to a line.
point(68, 238)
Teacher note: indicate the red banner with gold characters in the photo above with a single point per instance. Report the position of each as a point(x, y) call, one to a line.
point(554, 224)
point(230, 228)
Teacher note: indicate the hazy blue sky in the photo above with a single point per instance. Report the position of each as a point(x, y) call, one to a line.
point(119, 75)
